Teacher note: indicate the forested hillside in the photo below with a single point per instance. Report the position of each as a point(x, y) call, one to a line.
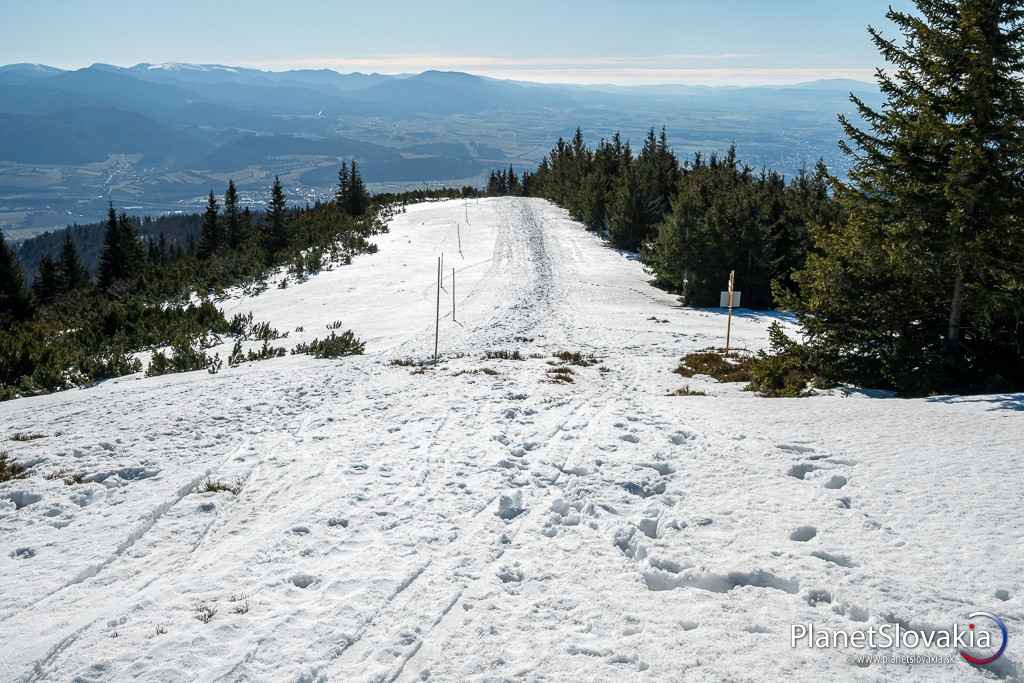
point(84, 319)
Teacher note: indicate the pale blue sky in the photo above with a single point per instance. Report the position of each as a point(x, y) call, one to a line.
point(612, 41)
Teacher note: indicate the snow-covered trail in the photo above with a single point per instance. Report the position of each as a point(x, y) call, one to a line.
point(660, 537)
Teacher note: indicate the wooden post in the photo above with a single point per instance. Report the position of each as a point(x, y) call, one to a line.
point(437, 314)
point(440, 269)
point(453, 295)
point(458, 229)
point(728, 325)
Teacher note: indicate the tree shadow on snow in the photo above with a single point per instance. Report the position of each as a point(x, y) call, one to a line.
point(998, 401)
point(783, 317)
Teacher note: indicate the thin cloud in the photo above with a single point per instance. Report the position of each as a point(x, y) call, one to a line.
point(696, 68)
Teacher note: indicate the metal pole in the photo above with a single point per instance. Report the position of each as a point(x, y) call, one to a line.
point(437, 314)
point(728, 325)
point(458, 229)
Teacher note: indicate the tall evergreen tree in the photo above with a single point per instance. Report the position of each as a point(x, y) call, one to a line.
point(109, 268)
point(512, 184)
point(233, 225)
point(341, 196)
point(210, 232)
point(73, 274)
point(162, 250)
point(46, 286)
point(359, 198)
point(276, 223)
point(14, 300)
point(122, 256)
point(921, 285)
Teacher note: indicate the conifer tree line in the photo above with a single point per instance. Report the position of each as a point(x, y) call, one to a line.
point(68, 328)
point(907, 275)
point(692, 221)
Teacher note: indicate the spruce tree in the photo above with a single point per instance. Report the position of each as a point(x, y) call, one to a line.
point(46, 286)
point(512, 184)
point(73, 274)
point(111, 266)
point(341, 196)
point(627, 210)
point(233, 226)
point(210, 233)
point(123, 256)
point(276, 227)
point(359, 198)
point(163, 253)
point(14, 300)
point(920, 285)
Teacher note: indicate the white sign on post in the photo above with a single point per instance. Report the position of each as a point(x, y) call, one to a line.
point(724, 301)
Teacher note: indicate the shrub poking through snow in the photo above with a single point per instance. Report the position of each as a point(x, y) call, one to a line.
point(9, 469)
point(334, 346)
point(244, 327)
point(67, 476)
point(218, 486)
point(204, 612)
point(239, 603)
point(503, 354)
point(187, 354)
point(26, 436)
point(403, 362)
point(265, 352)
point(475, 371)
point(787, 369)
point(732, 367)
point(576, 358)
point(687, 391)
point(561, 375)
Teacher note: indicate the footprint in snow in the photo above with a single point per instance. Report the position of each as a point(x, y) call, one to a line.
point(833, 558)
point(801, 470)
point(802, 534)
point(303, 580)
point(794, 448)
point(835, 482)
point(681, 438)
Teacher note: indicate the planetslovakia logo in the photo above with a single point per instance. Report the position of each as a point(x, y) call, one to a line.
point(982, 661)
point(977, 642)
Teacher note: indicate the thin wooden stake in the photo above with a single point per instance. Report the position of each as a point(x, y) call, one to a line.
point(437, 314)
point(458, 229)
point(453, 295)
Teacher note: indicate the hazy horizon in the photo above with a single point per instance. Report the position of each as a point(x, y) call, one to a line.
point(791, 77)
point(698, 42)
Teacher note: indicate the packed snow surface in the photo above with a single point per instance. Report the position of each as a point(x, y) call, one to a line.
point(481, 520)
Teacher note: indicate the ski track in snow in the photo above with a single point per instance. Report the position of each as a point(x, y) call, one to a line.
point(397, 524)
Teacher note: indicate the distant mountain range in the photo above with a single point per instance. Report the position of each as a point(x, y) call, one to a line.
point(87, 111)
point(159, 136)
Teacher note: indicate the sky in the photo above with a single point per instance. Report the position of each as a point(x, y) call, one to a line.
point(637, 42)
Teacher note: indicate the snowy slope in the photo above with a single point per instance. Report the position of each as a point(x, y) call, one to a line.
point(660, 537)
